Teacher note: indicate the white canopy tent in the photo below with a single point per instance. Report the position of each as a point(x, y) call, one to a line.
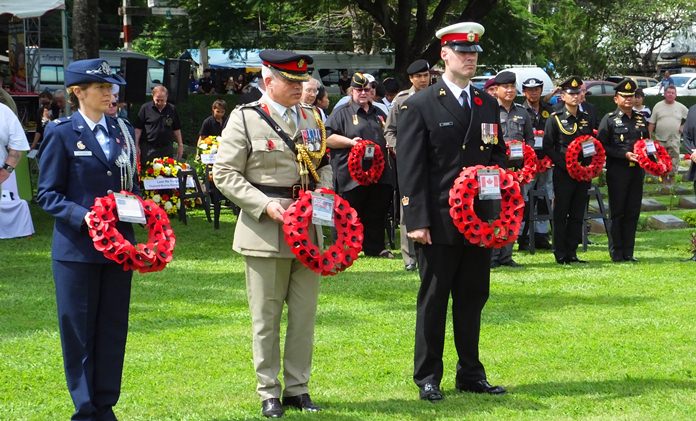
point(30, 8)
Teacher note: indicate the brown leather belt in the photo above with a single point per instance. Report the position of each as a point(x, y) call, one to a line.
point(292, 192)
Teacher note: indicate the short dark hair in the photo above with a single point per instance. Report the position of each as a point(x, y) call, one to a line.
point(220, 103)
point(640, 93)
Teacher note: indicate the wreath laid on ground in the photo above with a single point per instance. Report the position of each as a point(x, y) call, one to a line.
point(575, 168)
point(529, 163)
point(349, 230)
point(207, 146)
point(355, 163)
point(500, 232)
point(152, 256)
point(661, 166)
point(544, 164)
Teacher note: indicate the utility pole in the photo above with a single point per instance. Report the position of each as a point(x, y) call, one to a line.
point(126, 26)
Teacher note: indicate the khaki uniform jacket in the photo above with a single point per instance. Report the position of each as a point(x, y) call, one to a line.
point(251, 152)
point(393, 117)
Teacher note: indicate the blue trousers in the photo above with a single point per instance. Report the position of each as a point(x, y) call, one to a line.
point(93, 301)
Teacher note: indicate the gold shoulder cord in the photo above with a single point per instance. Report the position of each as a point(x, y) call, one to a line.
point(563, 130)
point(305, 156)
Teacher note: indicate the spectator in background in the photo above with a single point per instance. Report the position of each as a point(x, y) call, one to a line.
point(230, 85)
point(665, 125)
point(161, 125)
point(372, 95)
point(391, 88)
point(638, 105)
point(310, 89)
point(344, 82)
point(6, 98)
point(213, 124)
point(322, 102)
point(256, 90)
point(193, 84)
point(239, 84)
point(206, 84)
point(690, 142)
point(13, 142)
point(665, 82)
point(490, 87)
point(47, 112)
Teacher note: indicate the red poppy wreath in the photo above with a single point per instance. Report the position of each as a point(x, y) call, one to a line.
point(349, 230)
point(529, 163)
point(662, 165)
point(355, 163)
point(575, 169)
point(152, 256)
point(496, 234)
point(544, 164)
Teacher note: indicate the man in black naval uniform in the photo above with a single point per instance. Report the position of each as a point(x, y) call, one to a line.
point(562, 127)
point(618, 132)
point(440, 131)
point(516, 125)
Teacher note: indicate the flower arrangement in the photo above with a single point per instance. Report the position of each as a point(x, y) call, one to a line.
point(575, 168)
point(662, 164)
point(167, 199)
point(355, 159)
point(529, 163)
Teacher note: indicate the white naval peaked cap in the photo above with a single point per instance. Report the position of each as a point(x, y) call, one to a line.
point(462, 36)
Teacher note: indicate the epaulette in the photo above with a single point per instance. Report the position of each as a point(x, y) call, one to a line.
point(61, 120)
point(249, 105)
point(613, 113)
point(402, 93)
point(559, 112)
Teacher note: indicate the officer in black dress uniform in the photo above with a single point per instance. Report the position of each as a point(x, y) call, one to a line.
point(562, 127)
point(440, 131)
point(618, 132)
point(88, 155)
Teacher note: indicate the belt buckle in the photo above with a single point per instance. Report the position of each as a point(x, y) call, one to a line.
point(296, 190)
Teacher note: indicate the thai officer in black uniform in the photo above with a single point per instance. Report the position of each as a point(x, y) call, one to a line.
point(562, 127)
point(88, 155)
point(618, 132)
point(360, 119)
point(516, 125)
point(440, 131)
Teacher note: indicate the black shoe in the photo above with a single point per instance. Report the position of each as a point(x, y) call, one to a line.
point(562, 261)
point(431, 392)
point(630, 259)
point(386, 254)
point(410, 267)
point(480, 386)
point(512, 264)
point(271, 408)
point(617, 259)
point(523, 247)
point(302, 402)
point(495, 265)
point(575, 259)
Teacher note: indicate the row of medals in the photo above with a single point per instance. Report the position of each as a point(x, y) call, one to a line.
point(312, 139)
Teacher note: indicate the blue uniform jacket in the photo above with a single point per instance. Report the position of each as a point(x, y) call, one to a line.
point(73, 171)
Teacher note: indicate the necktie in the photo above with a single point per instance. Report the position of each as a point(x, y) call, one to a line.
point(290, 119)
point(465, 101)
point(102, 137)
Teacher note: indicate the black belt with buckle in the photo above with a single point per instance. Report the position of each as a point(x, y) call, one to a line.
point(292, 192)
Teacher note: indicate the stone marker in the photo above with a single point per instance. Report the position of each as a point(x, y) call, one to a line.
point(662, 222)
point(688, 202)
point(651, 205)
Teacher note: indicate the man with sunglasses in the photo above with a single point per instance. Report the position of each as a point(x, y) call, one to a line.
point(618, 131)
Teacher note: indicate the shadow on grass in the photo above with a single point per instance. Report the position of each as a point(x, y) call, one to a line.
point(610, 389)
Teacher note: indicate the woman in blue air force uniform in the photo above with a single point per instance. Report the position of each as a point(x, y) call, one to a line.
point(85, 156)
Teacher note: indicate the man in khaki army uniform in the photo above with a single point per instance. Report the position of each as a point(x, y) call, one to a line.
point(257, 167)
point(419, 75)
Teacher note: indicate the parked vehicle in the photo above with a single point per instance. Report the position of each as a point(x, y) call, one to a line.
point(642, 81)
point(51, 67)
point(599, 87)
point(479, 81)
point(524, 73)
point(684, 82)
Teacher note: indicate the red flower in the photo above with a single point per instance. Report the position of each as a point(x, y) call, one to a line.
point(478, 101)
point(525, 174)
point(575, 169)
point(270, 145)
point(661, 166)
point(355, 159)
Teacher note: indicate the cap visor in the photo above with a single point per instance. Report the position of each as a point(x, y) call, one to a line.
point(572, 91)
point(475, 48)
point(295, 77)
point(115, 79)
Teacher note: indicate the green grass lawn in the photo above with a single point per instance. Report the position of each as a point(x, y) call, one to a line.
point(598, 341)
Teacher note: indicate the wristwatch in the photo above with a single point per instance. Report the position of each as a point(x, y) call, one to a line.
point(7, 167)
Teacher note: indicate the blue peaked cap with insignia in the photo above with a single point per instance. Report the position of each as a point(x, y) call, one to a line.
point(95, 70)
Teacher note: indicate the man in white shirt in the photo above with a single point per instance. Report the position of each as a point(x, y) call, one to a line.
point(13, 141)
point(665, 125)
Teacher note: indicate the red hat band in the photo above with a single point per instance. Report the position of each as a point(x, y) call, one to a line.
point(290, 66)
point(460, 37)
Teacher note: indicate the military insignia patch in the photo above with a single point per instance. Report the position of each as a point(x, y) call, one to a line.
point(574, 83)
point(404, 201)
point(627, 86)
point(471, 37)
point(300, 63)
point(80, 145)
point(442, 92)
point(545, 114)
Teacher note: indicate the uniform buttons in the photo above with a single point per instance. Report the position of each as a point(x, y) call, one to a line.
point(109, 191)
point(109, 173)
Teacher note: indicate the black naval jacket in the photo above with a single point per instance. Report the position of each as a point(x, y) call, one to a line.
point(436, 140)
point(618, 133)
point(370, 126)
point(560, 130)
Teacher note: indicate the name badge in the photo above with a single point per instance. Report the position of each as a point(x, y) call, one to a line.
point(650, 147)
point(369, 152)
point(322, 209)
point(446, 124)
point(489, 184)
point(129, 209)
point(538, 142)
point(588, 149)
point(516, 151)
point(83, 153)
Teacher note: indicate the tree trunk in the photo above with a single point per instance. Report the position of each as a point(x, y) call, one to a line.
point(85, 29)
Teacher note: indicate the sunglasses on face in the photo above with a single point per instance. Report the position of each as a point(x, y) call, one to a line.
point(362, 89)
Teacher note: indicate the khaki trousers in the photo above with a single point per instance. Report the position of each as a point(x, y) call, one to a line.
point(271, 282)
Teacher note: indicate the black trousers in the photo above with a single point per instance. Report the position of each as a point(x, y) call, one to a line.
point(462, 272)
point(372, 203)
point(568, 213)
point(625, 193)
point(92, 301)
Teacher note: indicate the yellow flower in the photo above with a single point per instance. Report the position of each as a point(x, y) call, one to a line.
point(156, 198)
point(168, 206)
